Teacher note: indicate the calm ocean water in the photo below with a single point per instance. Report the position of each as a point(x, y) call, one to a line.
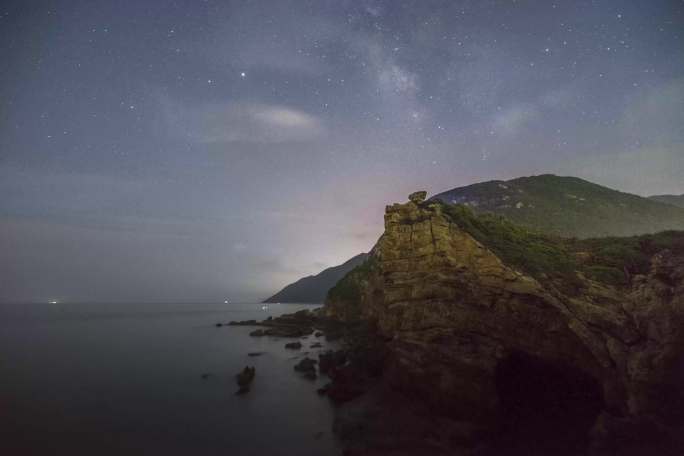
point(126, 379)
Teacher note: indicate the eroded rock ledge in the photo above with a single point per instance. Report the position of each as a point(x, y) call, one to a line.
point(491, 337)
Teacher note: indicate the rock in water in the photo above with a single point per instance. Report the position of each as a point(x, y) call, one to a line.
point(294, 345)
point(418, 197)
point(244, 379)
point(331, 360)
point(307, 366)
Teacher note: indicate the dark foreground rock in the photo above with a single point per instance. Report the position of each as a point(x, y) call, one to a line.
point(331, 359)
point(296, 325)
point(383, 422)
point(244, 379)
point(307, 367)
point(293, 345)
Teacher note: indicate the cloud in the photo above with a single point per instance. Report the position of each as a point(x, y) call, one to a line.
point(209, 123)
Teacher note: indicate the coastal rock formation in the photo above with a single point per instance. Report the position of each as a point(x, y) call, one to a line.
point(307, 367)
point(293, 345)
point(492, 326)
point(244, 379)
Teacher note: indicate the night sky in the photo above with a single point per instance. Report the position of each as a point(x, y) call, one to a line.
point(210, 150)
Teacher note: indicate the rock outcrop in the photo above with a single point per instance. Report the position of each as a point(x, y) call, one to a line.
point(244, 379)
point(469, 326)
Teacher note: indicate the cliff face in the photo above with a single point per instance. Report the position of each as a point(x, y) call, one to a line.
point(459, 319)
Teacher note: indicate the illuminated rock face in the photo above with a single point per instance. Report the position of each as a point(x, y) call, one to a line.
point(454, 313)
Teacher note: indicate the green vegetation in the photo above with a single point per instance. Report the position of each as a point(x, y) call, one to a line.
point(568, 206)
point(541, 256)
point(548, 258)
point(614, 260)
point(674, 200)
point(348, 290)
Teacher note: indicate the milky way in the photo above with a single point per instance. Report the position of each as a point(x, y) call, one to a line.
point(202, 150)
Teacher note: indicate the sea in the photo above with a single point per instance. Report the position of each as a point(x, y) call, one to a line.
point(127, 379)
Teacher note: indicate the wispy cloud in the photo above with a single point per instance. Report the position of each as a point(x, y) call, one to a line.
point(239, 122)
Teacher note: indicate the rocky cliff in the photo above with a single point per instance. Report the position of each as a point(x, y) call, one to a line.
point(492, 325)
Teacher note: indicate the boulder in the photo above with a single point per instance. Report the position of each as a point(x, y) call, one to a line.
point(244, 379)
point(293, 345)
point(307, 366)
point(418, 197)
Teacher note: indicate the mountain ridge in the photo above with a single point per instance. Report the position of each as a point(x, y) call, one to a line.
point(567, 206)
point(313, 288)
point(674, 200)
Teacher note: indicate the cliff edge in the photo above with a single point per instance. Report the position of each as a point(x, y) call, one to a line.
point(494, 325)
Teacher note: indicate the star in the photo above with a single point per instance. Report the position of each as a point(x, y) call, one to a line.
point(243, 75)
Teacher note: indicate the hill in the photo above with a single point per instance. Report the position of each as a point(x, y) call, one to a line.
point(568, 206)
point(674, 200)
point(313, 289)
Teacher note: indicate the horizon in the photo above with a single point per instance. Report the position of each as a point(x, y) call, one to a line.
point(224, 150)
point(257, 300)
